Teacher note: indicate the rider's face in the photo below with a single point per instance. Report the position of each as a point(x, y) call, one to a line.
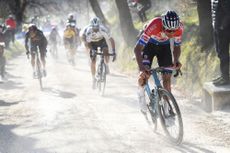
point(95, 29)
point(169, 33)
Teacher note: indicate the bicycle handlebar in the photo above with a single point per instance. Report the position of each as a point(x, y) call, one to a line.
point(97, 53)
point(167, 70)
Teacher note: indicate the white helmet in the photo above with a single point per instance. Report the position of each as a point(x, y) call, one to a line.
point(70, 16)
point(95, 22)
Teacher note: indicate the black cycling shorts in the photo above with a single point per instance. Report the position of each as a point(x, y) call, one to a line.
point(162, 52)
point(42, 48)
point(102, 43)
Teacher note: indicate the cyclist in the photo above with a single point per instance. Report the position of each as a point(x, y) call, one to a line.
point(54, 38)
point(71, 19)
point(11, 23)
point(155, 41)
point(2, 57)
point(94, 36)
point(69, 39)
point(36, 39)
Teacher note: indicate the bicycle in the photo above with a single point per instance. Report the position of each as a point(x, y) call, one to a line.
point(162, 104)
point(38, 71)
point(101, 70)
point(54, 50)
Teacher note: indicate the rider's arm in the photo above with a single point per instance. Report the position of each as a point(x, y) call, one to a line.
point(112, 44)
point(26, 41)
point(176, 54)
point(137, 50)
point(141, 43)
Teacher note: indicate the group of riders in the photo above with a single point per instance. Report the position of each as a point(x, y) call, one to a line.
point(154, 40)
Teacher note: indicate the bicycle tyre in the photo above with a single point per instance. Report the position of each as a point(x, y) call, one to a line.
point(151, 109)
point(103, 79)
point(174, 106)
point(39, 73)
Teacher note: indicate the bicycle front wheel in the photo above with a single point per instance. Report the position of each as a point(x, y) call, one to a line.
point(170, 116)
point(102, 78)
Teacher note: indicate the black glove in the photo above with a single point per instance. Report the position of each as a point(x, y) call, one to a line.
point(114, 57)
point(27, 52)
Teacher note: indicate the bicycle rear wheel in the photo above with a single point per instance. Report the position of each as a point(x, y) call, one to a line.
point(170, 116)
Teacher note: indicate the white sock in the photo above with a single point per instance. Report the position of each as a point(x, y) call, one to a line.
point(141, 99)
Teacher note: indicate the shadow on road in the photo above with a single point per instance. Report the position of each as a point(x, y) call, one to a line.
point(3, 103)
point(9, 85)
point(12, 143)
point(59, 93)
point(192, 148)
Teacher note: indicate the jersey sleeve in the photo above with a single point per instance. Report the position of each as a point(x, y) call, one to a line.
point(106, 31)
point(147, 32)
point(178, 38)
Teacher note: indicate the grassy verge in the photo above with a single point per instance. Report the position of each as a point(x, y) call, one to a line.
point(15, 49)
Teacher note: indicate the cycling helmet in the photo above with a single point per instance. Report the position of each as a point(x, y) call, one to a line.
point(32, 27)
point(171, 20)
point(70, 16)
point(95, 22)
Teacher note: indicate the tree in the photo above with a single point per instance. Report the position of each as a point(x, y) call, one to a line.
point(18, 7)
point(127, 28)
point(97, 10)
point(205, 23)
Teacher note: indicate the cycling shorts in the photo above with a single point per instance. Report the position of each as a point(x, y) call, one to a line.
point(162, 52)
point(42, 48)
point(102, 43)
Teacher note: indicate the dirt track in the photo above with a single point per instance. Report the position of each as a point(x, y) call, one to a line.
point(70, 117)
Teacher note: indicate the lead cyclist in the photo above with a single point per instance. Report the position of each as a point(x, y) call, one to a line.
point(155, 41)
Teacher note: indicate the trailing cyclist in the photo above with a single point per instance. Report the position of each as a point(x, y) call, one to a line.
point(69, 39)
point(35, 39)
point(54, 39)
point(155, 41)
point(94, 36)
point(2, 57)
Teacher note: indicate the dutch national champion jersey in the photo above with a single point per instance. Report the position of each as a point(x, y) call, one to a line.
point(154, 33)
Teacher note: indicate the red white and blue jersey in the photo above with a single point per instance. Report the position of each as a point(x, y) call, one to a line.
point(154, 33)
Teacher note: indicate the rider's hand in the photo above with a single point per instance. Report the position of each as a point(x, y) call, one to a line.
point(143, 77)
point(114, 57)
point(177, 65)
point(27, 53)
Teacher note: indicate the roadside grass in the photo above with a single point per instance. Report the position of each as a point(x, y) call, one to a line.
point(15, 49)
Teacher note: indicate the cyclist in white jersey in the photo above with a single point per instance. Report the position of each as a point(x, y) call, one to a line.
point(96, 35)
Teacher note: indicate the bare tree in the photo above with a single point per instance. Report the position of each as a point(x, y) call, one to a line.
point(205, 23)
point(18, 7)
point(127, 28)
point(97, 10)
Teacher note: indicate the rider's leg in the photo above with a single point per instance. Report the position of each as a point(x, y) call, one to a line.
point(42, 50)
point(164, 57)
point(142, 79)
point(93, 71)
point(33, 64)
point(167, 81)
point(43, 59)
point(106, 52)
